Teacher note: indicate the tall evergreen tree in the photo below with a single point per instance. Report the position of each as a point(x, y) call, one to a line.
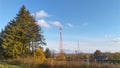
point(47, 53)
point(21, 34)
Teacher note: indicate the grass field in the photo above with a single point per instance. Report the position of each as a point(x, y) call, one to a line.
point(62, 65)
point(32, 63)
point(5, 65)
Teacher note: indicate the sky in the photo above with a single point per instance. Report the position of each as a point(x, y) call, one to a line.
point(87, 25)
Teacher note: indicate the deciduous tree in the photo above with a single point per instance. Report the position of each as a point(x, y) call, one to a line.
point(97, 53)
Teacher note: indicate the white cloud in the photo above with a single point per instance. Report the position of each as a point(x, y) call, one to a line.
point(85, 24)
point(43, 23)
point(56, 23)
point(117, 40)
point(70, 25)
point(112, 38)
point(41, 14)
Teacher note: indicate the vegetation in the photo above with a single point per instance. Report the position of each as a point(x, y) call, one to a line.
point(21, 44)
point(51, 63)
point(77, 65)
point(117, 55)
point(20, 35)
point(47, 53)
point(39, 55)
point(97, 53)
point(4, 65)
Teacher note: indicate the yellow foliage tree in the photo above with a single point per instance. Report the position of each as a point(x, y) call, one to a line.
point(39, 54)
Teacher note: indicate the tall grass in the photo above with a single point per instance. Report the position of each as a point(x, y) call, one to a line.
point(4, 65)
point(30, 62)
point(73, 64)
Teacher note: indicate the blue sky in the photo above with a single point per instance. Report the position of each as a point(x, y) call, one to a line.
point(94, 24)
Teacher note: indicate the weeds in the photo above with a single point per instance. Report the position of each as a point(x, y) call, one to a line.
point(31, 62)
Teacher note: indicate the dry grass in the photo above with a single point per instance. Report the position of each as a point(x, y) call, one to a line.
point(3, 65)
point(30, 62)
point(74, 64)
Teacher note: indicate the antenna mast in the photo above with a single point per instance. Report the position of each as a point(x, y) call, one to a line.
point(61, 46)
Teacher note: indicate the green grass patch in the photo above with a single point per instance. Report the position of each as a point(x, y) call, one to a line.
point(5, 65)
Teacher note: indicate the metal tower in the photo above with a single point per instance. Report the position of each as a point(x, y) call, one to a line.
point(61, 46)
point(61, 55)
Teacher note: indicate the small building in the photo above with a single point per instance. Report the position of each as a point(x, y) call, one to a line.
point(100, 58)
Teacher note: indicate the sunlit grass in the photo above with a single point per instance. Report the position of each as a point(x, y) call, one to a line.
point(5, 65)
point(31, 62)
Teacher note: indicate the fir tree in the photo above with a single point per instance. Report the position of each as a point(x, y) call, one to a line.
point(21, 34)
point(47, 53)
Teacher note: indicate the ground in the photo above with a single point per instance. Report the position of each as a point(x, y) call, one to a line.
point(5, 65)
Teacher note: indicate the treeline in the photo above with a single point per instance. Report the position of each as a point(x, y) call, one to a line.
point(21, 36)
point(111, 56)
point(98, 53)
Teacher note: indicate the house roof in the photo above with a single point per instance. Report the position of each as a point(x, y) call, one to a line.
point(100, 57)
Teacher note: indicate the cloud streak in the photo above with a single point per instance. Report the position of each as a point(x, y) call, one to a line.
point(41, 14)
point(70, 25)
point(43, 23)
point(117, 40)
point(56, 23)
